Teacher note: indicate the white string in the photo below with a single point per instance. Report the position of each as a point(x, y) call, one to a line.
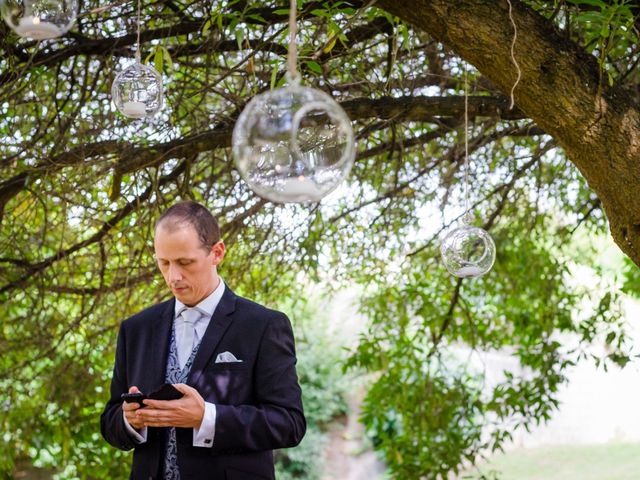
point(138, 40)
point(292, 56)
point(513, 56)
point(466, 145)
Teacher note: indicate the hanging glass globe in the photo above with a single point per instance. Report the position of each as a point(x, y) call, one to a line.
point(39, 19)
point(468, 251)
point(137, 91)
point(293, 144)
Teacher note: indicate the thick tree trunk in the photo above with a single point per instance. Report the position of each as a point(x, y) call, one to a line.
point(598, 127)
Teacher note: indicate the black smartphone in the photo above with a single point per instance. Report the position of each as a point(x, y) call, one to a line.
point(137, 397)
point(166, 392)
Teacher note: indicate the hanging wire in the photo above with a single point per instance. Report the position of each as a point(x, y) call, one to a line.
point(467, 216)
point(513, 55)
point(292, 56)
point(138, 39)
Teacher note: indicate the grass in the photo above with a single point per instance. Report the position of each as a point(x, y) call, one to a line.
point(609, 461)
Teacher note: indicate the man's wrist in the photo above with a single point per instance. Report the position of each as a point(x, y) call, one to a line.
point(139, 435)
point(200, 419)
point(204, 435)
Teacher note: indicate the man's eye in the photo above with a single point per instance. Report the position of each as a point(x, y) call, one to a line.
point(185, 262)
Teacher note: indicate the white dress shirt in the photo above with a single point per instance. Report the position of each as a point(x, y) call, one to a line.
point(203, 436)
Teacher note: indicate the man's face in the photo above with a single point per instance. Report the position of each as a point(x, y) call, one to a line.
point(188, 269)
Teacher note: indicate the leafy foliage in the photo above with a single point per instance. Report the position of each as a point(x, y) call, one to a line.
point(324, 386)
point(81, 187)
point(446, 416)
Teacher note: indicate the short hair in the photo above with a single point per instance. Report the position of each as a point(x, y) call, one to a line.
point(196, 215)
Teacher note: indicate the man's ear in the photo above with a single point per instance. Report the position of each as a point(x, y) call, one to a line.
point(218, 250)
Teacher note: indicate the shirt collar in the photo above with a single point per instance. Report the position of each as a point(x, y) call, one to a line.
point(207, 306)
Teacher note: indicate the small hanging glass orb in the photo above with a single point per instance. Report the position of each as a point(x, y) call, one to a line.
point(293, 144)
point(137, 91)
point(39, 19)
point(468, 251)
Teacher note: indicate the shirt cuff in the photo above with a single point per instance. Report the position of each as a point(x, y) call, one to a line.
point(203, 436)
point(139, 437)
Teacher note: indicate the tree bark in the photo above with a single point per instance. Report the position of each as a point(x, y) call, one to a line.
point(598, 127)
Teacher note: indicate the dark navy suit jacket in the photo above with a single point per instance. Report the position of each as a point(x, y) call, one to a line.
point(258, 401)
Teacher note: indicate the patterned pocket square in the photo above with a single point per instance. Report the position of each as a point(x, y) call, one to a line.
point(226, 357)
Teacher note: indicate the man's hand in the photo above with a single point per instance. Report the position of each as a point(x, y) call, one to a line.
point(186, 412)
point(130, 411)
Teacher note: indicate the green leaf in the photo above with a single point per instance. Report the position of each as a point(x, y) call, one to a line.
point(282, 81)
point(610, 337)
point(158, 59)
point(257, 17)
point(589, 17)
point(404, 31)
point(206, 26)
point(320, 13)
point(239, 33)
point(594, 3)
point(313, 66)
point(330, 45)
point(167, 58)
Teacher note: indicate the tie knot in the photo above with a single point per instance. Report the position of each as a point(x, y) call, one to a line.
point(190, 315)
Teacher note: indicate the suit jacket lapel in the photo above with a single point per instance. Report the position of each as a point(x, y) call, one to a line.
point(218, 325)
point(160, 337)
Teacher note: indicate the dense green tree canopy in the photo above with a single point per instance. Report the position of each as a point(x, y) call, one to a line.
point(80, 187)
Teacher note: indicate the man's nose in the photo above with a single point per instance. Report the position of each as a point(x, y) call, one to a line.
point(175, 273)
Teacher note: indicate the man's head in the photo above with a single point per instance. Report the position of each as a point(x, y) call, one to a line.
point(188, 250)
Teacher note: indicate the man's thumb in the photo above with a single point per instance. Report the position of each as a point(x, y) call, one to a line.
point(182, 388)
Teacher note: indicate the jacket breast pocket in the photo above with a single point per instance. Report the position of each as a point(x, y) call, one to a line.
point(228, 366)
point(227, 383)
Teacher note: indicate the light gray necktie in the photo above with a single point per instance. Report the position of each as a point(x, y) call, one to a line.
point(186, 333)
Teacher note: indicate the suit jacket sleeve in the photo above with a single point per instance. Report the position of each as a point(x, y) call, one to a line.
point(276, 420)
point(112, 424)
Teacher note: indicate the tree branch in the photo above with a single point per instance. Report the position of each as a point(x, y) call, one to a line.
point(131, 159)
point(560, 90)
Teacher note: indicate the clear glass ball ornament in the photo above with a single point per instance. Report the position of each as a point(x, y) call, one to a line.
point(137, 91)
point(468, 251)
point(39, 19)
point(293, 144)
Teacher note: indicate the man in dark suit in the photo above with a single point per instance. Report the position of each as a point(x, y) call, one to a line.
point(233, 360)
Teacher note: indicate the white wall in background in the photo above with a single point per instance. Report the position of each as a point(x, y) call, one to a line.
point(595, 406)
